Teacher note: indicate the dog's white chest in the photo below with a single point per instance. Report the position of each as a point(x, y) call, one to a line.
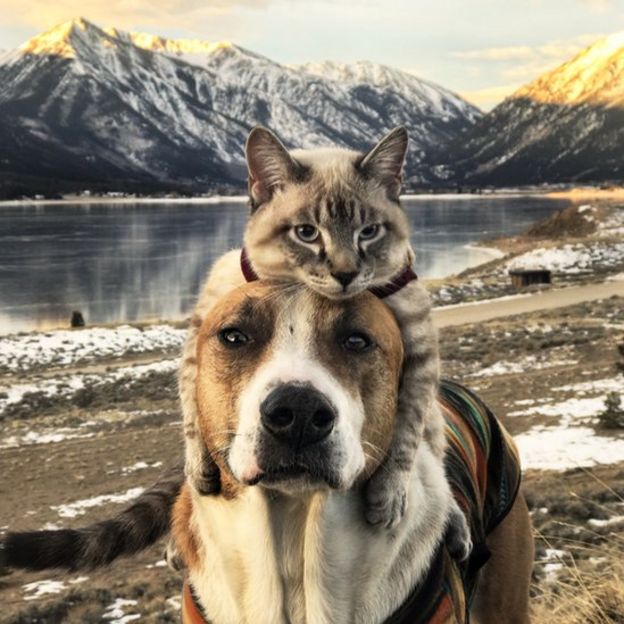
point(277, 561)
point(312, 559)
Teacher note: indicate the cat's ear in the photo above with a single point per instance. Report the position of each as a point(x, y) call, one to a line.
point(384, 162)
point(269, 163)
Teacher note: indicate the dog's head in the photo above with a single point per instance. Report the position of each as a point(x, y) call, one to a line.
point(296, 391)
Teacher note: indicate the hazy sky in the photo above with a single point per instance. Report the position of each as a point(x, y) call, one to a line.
point(482, 49)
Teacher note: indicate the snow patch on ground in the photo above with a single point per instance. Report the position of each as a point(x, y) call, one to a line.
point(45, 437)
point(115, 612)
point(577, 258)
point(174, 603)
point(553, 562)
point(567, 411)
point(141, 465)
point(66, 347)
point(511, 368)
point(571, 441)
point(605, 523)
point(563, 447)
point(45, 587)
point(67, 385)
point(80, 507)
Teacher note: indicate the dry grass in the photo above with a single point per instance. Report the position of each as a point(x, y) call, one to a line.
point(578, 597)
point(587, 590)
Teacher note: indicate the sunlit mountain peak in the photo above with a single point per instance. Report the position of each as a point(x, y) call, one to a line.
point(177, 47)
point(56, 41)
point(595, 75)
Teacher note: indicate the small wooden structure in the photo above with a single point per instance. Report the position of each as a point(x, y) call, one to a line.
point(77, 320)
point(520, 278)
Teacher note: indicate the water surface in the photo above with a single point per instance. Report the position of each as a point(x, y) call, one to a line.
point(126, 262)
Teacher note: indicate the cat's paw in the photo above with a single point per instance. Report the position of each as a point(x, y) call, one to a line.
point(385, 499)
point(206, 481)
point(458, 539)
point(173, 558)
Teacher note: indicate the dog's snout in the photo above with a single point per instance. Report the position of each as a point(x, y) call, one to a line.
point(297, 414)
point(344, 278)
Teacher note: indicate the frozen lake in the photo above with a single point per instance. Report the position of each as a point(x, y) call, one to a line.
point(145, 260)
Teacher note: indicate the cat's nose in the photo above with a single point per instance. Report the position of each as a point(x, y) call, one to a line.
point(344, 278)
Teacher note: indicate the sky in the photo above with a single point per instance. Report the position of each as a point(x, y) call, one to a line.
point(481, 49)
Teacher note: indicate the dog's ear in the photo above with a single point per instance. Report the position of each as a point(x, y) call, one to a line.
point(384, 162)
point(269, 163)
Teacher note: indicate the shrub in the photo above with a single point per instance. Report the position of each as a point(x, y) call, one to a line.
point(613, 415)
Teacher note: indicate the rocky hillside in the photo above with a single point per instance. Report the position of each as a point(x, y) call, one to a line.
point(86, 105)
point(566, 126)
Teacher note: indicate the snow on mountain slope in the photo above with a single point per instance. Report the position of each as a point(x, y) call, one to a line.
point(425, 95)
point(565, 126)
point(141, 107)
point(595, 76)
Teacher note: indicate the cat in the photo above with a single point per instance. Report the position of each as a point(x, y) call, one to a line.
point(331, 219)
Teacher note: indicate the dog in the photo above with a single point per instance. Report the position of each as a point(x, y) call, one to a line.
point(297, 396)
point(296, 399)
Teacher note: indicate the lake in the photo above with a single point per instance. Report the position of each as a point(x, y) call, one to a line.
point(146, 260)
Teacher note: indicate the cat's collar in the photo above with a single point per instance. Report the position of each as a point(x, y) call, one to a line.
point(400, 280)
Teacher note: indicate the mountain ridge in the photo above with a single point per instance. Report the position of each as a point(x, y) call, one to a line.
point(567, 125)
point(105, 108)
point(177, 112)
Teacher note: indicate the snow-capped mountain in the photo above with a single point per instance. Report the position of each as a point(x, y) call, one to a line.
point(89, 105)
point(568, 125)
point(430, 99)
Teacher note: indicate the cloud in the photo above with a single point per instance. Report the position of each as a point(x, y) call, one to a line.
point(489, 97)
point(518, 64)
point(598, 6)
point(557, 50)
point(511, 53)
point(43, 14)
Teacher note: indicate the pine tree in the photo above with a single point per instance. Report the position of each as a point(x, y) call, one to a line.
point(613, 415)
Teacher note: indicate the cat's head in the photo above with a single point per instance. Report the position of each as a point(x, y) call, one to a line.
point(329, 218)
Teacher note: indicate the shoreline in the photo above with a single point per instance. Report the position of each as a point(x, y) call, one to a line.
point(121, 201)
point(617, 192)
point(493, 252)
point(215, 199)
point(565, 295)
point(572, 193)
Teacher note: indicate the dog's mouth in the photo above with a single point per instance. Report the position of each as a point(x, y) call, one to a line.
point(295, 474)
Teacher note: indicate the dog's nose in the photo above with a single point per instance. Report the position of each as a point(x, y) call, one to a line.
point(344, 278)
point(297, 414)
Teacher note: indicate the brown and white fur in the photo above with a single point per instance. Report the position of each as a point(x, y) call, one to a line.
point(286, 541)
point(343, 197)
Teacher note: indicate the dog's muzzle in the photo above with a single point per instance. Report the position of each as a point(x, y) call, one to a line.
point(297, 415)
point(295, 442)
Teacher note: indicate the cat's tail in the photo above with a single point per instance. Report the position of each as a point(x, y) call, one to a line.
point(138, 526)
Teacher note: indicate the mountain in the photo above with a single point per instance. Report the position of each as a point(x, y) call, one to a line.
point(86, 106)
point(566, 126)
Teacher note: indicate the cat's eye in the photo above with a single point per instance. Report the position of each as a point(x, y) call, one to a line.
point(369, 232)
point(357, 341)
point(307, 233)
point(233, 337)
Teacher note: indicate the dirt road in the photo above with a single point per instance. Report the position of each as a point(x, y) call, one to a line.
point(521, 304)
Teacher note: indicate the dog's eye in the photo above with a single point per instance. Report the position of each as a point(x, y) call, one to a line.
point(357, 342)
point(232, 337)
point(370, 231)
point(307, 233)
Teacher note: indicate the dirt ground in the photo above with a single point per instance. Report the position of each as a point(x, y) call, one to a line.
point(133, 430)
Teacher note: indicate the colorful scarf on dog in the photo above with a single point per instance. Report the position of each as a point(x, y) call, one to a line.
point(483, 468)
